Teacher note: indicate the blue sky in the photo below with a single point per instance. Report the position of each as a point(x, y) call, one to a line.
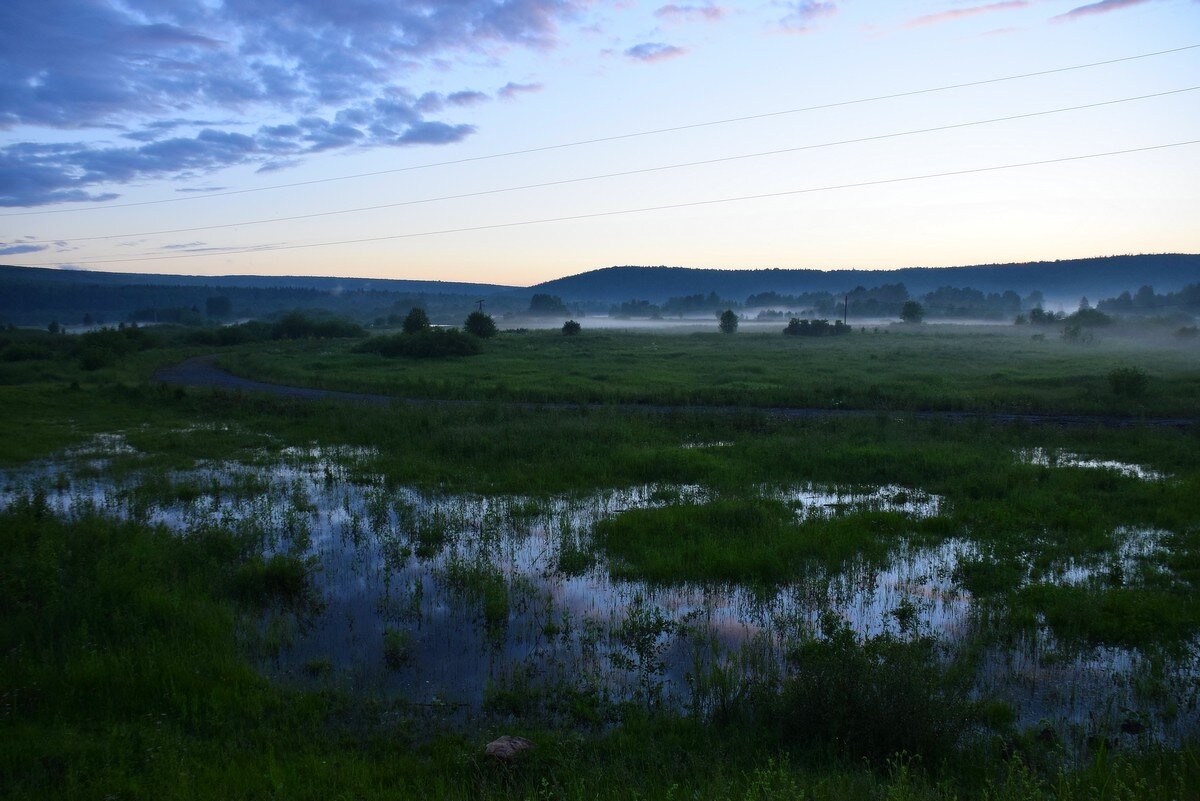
point(109, 108)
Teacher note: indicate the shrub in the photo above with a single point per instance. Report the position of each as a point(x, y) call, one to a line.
point(94, 357)
point(571, 328)
point(872, 699)
point(480, 325)
point(1128, 382)
point(815, 328)
point(423, 345)
point(297, 325)
point(1188, 332)
point(728, 322)
point(416, 321)
point(912, 312)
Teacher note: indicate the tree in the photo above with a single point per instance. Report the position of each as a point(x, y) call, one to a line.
point(416, 321)
point(571, 328)
point(54, 327)
point(728, 322)
point(547, 305)
point(218, 307)
point(912, 312)
point(480, 324)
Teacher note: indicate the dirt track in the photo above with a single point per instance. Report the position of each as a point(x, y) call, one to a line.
point(200, 371)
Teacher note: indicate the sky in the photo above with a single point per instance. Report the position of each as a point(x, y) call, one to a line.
point(457, 140)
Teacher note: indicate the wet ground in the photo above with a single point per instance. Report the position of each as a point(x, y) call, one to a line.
point(456, 599)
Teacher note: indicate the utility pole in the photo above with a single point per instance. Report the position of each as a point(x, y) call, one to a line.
point(480, 302)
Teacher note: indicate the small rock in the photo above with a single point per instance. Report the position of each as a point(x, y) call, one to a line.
point(507, 748)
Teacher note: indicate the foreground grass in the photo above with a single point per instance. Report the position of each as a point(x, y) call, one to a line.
point(127, 651)
point(897, 368)
point(124, 679)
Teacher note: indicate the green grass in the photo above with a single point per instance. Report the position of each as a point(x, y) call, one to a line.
point(902, 368)
point(127, 651)
point(754, 540)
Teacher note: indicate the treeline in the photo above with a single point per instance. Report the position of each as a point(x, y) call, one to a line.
point(1147, 301)
point(884, 301)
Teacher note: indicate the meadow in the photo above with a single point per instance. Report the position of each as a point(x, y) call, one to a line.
point(215, 595)
point(1018, 369)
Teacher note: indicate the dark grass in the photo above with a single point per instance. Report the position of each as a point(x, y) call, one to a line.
point(902, 368)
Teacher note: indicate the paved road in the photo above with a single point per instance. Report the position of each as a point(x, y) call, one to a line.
point(200, 371)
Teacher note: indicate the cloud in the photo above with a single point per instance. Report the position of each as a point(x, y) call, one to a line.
point(1098, 8)
point(694, 13)
point(961, 13)
point(13, 250)
point(654, 51)
point(33, 174)
point(466, 98)
point(180, 81)
point(511, 90)
point(804, 14)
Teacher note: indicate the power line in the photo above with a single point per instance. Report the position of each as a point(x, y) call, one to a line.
point(592, 215)
point(625, 173)
point(618, 137)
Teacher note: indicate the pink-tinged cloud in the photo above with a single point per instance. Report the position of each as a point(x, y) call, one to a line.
point(961, 13)
point(805, 13)
point(511, 90)
point(650, 52)
point(676, 13)
point(1098, 8)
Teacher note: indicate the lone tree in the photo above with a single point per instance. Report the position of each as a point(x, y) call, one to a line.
point(571, 328)
point(480, 324)
point(912, 312)
point(416, 321)
point(728, 322)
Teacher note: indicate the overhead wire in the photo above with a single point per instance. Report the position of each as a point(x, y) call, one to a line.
point(624, 173)
point(614, 137)
point(644, 209)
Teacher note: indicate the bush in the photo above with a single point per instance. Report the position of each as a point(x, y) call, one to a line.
point(885, 695)
point(1188, 332)
point(297, 325)
point(728, 322)
point(1128, 382)
point(571, 328)
point(912, 312)
point(480, 325)
point(815, 328)
point(416, 321)
point(423, 345)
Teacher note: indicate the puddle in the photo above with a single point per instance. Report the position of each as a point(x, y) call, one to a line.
point(1051, 458)
point(450, 599)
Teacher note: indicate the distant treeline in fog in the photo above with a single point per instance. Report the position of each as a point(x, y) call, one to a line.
point(1159, 285)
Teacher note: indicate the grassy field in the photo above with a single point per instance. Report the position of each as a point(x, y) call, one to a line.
point(131, 667)
point(984, 368)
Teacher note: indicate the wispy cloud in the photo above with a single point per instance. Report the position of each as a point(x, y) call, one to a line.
point(803, 14)
point(650, 52)
point(511, 90)
point(13, 250)
point(962, 13)
point(691, 13)
point(1101, 7)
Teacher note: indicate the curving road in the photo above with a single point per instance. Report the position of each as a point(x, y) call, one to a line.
point(201, 371)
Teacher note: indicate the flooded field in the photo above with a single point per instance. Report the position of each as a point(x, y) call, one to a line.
point(470, 601)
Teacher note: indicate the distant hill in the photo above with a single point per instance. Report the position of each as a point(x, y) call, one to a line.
point(1059, 281)
point(34, 296)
